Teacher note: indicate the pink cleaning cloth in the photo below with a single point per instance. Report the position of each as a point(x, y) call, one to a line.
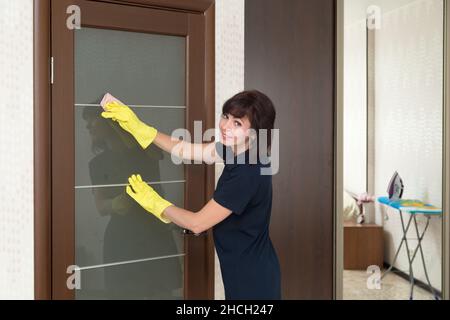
point(107, 98)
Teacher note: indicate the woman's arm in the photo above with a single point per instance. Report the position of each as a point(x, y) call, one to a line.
point(146, 134)
point(210, 215)
point(205, 152)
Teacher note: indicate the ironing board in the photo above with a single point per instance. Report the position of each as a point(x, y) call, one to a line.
point(413, 208)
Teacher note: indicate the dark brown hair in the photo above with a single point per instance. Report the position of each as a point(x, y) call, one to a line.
point(257, 107)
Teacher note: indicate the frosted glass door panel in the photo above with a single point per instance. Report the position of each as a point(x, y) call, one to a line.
point(134, 280)
point(111, 227)
point(106, 154)
point(137, 68)
point(122, 250)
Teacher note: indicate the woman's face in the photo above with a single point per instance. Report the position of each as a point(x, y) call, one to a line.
point(97, 127)
point(234, 131)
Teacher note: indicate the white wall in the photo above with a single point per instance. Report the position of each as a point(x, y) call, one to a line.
point(355, 106)
point(355, 10)
point(16, 149)
point(408, 120)
point(229, 73)
point(355, 92)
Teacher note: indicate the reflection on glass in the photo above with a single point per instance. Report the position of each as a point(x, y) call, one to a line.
point(112, 227)
point(106, 154)
point(123, 251)
point(142, 280)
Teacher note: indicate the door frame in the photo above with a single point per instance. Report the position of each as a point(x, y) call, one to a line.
point(338, 247)
point(203, 14)
point(339, 186)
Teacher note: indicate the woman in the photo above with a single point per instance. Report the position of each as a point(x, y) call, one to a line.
point(240, 209)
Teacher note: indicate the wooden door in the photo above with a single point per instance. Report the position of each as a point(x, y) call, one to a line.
point(159, 62)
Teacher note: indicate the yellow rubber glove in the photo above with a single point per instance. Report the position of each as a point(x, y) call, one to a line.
point(128, 120)
point(148, 198)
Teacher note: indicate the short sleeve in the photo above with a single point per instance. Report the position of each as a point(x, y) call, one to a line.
point(237, 188)
point(220, 150)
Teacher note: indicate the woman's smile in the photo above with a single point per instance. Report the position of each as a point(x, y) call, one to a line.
point(226, 137)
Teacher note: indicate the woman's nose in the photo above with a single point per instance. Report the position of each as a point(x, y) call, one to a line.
point(226, 125)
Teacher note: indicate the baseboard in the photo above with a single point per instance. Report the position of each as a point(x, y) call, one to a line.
point(417, 282)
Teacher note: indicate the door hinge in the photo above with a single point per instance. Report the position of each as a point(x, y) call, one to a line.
point(52, 70)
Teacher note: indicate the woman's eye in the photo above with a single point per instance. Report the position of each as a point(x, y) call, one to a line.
point(237, 123)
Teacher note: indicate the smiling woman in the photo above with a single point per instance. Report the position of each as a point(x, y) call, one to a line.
point(240, 209)
point(247, 110)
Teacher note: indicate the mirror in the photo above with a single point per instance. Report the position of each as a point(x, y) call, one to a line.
point(393, 123)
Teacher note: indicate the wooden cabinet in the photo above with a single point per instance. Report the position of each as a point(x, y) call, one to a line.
point(363, 246)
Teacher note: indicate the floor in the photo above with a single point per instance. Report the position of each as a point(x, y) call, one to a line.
point(355, 287)
point(393, 287)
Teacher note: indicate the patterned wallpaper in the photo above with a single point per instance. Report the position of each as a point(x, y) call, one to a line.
point(229, 72)
point(16, 149)
point(408, 120)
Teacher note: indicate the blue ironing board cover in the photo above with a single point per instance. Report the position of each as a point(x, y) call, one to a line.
point(411, 206)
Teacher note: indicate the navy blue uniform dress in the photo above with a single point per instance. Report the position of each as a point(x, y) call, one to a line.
point(248, 261)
